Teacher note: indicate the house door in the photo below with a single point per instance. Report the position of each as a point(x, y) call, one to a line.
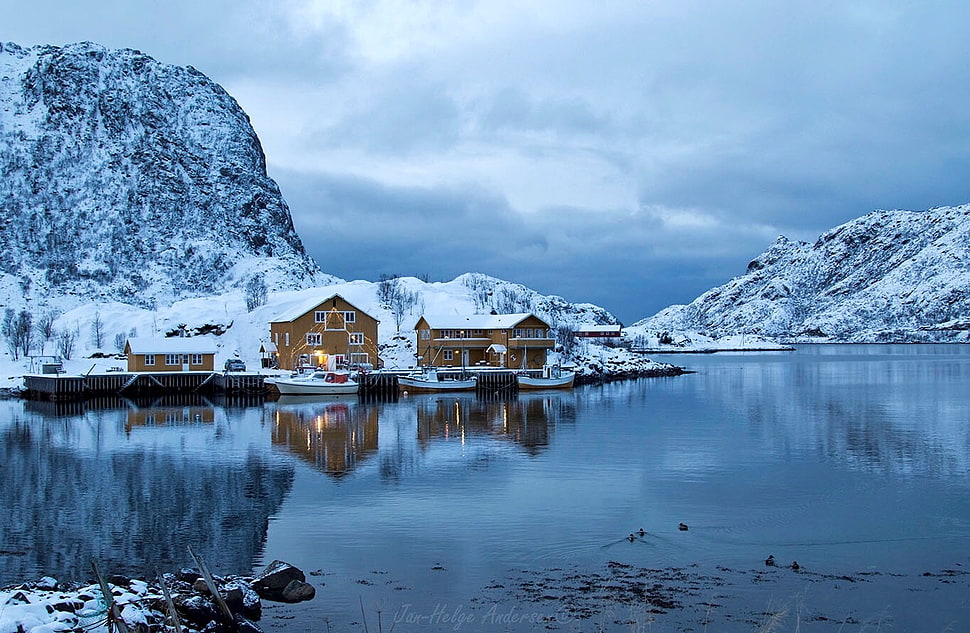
point(464, 357)
point(185, 362)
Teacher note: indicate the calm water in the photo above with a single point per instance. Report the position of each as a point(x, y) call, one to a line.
point(460, 513)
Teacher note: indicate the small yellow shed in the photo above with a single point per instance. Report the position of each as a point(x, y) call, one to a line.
point(171, 354)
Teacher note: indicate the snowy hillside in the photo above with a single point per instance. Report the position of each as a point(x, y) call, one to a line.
point(225, 320)
point(890, 276)
point(130, 180)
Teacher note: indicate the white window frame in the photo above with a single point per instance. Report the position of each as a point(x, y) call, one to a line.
point(286, 338)
point(196, 359)
point(449, 355)
point(320, 316)
point(349, 317)
point(314, 339)
point(149, 359)
point(355, 338)
point(173, 359)
point(425, 335)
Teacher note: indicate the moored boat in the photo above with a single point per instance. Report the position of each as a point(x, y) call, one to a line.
point(554, 377)
point(317, 384)
point(429, 381)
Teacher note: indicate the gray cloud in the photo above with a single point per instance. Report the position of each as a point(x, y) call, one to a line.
point(630, 154)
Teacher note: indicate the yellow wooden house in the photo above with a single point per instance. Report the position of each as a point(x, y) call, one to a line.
point(517, 341)
point(170, 354)
point(332, 333)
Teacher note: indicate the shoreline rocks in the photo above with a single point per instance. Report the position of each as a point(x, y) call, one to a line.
point(46, 605)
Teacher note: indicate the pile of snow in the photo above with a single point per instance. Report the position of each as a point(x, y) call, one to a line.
point(646, 340)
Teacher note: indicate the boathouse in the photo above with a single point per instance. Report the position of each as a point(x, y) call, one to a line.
point(330, 333)
point(516, 341)
point(598, 331)
point(170, 354)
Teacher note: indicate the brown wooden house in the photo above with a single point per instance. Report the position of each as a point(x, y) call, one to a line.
point(517, 341)
point(331, 333)
point(170, 354)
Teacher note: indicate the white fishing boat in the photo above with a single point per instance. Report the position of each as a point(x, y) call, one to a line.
point(318, 383)
point(553, 377)
point(428, 381)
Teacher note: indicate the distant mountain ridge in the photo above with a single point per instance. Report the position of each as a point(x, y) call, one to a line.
point(131, 180)
point(889, 276)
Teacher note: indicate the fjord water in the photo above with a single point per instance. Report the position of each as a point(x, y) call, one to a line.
point(442, 512)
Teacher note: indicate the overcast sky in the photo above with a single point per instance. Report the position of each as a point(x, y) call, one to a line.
point(627, 153)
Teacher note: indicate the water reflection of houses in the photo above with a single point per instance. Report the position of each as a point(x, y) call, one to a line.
point(526, 419)
point(333, 435)
point(179, 415)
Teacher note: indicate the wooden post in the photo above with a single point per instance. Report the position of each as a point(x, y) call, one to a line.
point(114, 613)
point(211, 584)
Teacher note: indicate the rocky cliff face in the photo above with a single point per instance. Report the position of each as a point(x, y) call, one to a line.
point(888, 276)
point(131, 180)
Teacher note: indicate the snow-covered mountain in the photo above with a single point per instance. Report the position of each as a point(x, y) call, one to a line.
point(894, 276)
point(131, 180)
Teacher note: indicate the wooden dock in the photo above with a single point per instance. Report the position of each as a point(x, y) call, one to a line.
point(380, 384)
point(489, 380)
point(128, 384)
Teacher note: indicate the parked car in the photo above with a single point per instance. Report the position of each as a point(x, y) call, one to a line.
point(235, 364)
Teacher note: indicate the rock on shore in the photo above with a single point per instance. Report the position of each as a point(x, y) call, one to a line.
point(45, 606)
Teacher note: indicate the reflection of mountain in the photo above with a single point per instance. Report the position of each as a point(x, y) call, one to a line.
point(332, 434)
point(896, 410)
point(86, 487)
point(525, 420)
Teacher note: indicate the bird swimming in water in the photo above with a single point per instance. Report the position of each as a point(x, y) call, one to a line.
point(770, 561)
point(795, 566)
point(641, 532)
point(631, 538)
point(682, 527)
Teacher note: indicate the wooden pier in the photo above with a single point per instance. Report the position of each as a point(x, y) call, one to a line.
point(63, 387)
point(384, 382)
point(379, 384)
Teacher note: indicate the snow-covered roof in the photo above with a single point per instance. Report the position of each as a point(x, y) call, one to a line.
point(173, 345)
point(296, 311)
point(476, 321)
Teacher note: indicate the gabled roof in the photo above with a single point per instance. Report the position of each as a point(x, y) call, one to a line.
point(173, 345)
point(477, 321)
point(295, 312)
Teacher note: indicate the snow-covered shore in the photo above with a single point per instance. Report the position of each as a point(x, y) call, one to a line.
point(45, 606)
